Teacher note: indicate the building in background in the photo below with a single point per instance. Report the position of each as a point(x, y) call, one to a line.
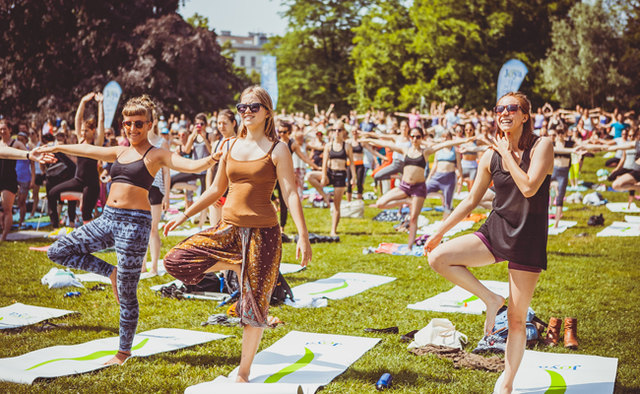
point(248, 50)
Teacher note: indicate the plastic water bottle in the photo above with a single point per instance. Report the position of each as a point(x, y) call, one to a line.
point(384, 382)
point(221, 278)
point(72, 294)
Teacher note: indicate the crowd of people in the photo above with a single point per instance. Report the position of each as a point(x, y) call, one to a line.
point(253, 163)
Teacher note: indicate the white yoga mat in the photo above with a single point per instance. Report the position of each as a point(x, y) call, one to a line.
point(85, 357)
point(91, 277)
point(340, 285)
point(431, 229)
point(306, 359)
point(631, 219)
point(621, 229)
point(564, 373)
point(623, 207)
point(19, 315)
point(286, 268)
point(458, 300)
point(562, 225)
point(187, 232)
point(26, 235)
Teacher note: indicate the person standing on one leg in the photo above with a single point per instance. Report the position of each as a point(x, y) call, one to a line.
point(516, 230)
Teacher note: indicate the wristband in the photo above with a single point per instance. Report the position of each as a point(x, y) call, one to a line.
point(28, 155)
point(185, 215)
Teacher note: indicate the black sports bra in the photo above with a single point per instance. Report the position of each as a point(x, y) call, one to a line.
point(357, 148)
point(415, 161)
point(341, 154)
point(134, 173)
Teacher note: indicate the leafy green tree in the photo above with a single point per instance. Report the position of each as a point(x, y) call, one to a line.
point(198, 21)
point(313, 57)
point(582, 66)
point(52, 52)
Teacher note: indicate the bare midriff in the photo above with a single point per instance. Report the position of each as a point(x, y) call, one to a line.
point(125, 196)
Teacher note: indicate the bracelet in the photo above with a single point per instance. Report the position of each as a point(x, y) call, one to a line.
point(185, 215)
point(28, 155)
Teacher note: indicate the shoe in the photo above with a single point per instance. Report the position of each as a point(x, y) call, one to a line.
point(408, 337)
point(553, 332)
point(388, 330)
point(285, 238)
point(571, 333)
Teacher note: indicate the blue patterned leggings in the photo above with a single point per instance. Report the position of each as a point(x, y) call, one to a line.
point(126, 229)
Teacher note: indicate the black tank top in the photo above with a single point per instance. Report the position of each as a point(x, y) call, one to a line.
point(357, 148)
point(290, 144)
point(134, 173)
point(517, 227)
point(87, 170)
point(341, 154)
point(415, 161)
point(8, 169)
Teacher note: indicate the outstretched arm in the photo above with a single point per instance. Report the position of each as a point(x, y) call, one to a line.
point(302, 155)
point(80, 113)
point(99, 138)
point(182, 164)
point(108, 154)
point(384, 144)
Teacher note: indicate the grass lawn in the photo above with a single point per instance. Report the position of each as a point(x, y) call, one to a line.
point(591, 278)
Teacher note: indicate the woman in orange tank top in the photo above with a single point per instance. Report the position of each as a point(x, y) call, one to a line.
point(247, 239)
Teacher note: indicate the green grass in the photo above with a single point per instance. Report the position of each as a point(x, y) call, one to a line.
point(593, 279)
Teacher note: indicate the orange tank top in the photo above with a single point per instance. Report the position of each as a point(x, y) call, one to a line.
point(251, 184)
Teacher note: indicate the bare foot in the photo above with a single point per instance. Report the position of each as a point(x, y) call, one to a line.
point(114, 284)
point(333, 234)
point(492, 309)
point(505, 390)
point(119, 358)
point(242, 379)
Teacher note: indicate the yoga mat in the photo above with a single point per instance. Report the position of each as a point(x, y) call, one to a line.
point(459, 300)
point(340, 285)
point(623, 207)
point(431, 229)
point(19, 315)
point(187, 232)
point(564, 373)
point(85, 357)
point(621, 229)
point(286, 268)
point(301, 358)
point(631, 219)
point(562, 225)
point(91, 277)
point(26, 234)
point(400, 249)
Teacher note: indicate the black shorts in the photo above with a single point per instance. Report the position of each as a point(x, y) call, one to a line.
point(337, 178)
point(10, 185)
point(155, 196)
point(40, 179)
point(636, 175)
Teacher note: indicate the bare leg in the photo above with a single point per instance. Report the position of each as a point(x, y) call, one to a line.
point(220, 266)
point(314, 178)
point(626, 182)
point(558, 215)
point(36, 199)
point(521, 287)
point(7, 205)
point(335, 215)
point(22, 205)
point(416, 207)
point(251, 337)
point(391, 199)
point(154, 239)
point(451, 260)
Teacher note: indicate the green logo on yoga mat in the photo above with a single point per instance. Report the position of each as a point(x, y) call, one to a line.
point(472, 298)
point(558, 385)
point(303, 362)
point(342, 286)
point(89, 357)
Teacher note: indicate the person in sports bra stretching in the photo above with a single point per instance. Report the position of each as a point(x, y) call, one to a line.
point(334, 171)
point(412, 188)
point(516, 230)
point(443, 177)
point(247, 240)
point(126, 220)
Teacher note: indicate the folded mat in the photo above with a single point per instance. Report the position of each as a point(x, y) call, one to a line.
point(58, 361)
point(301, 361)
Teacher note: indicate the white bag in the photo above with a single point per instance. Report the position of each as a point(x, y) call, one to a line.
point(57, 278)
point(440, 332)
point(352, 209)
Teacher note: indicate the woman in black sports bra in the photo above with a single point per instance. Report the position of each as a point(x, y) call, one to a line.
point(126, 219)
point(516, 229)
point(334, 171)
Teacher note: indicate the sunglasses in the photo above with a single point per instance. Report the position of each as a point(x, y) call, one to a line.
point(199, 124)
point(510, 107)
point(418, 136)
point(336, 129)
point(283, 131)
point(138, 124)
point(253, 107)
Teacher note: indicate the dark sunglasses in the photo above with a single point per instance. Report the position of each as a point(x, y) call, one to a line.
point(510, 107)
point(415, 136)
point(253, 107)
point(283, 131)
point(200, 124)
point(336, 129)
point(138, 124)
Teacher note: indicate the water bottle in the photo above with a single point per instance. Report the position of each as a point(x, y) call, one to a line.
point(384, 382)
point(221, 278)
point(72, 294)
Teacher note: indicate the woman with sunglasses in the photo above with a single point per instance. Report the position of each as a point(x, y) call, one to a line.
point(412, 189)
point(337, 153)
point(516, 230)
point(86, 179)
point(126, 220)
point(247, 240)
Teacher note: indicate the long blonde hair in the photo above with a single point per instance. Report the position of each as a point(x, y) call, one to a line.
point(265, 100)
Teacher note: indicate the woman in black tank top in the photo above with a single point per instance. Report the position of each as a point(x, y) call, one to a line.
point(516, 229)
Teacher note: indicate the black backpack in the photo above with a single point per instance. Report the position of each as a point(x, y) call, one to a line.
point(281, 291)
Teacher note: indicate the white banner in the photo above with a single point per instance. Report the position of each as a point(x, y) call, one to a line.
point(306, 359)
point(85, 357)
point(511, 76)
point(564, 373)
point(18, 315)
point(458, 300)
point(112, 92)
point(269, 78)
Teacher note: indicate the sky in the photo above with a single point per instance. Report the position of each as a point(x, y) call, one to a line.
point(239, 17)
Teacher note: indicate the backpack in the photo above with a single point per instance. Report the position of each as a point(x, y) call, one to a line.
point(211, 282)
point(596, 220)
point(281, 291)
point(496, 341)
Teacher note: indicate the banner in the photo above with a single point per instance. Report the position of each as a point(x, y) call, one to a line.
point(510, 77)
point(269, 78)
point(111, 93)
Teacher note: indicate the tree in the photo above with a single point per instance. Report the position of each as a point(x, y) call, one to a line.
point(198, 21)
point(52, 52)
point(313, 56)
point(582, 66)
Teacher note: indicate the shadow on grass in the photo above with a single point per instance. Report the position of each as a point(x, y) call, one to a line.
point(401, 378)
point(573, 254)
point(199, 360)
